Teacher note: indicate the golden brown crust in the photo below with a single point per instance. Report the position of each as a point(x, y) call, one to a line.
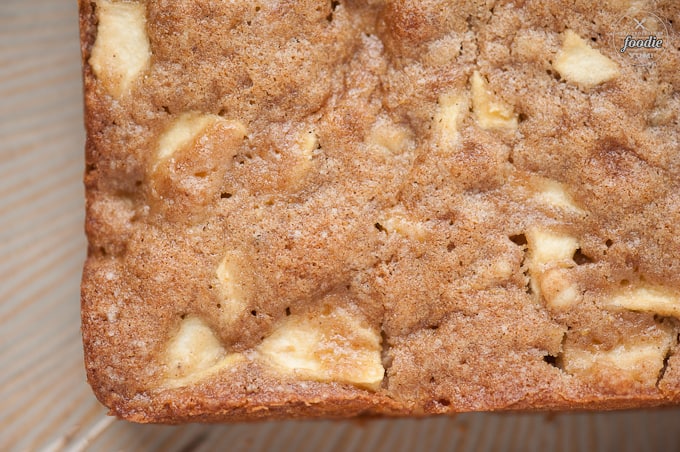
point(443, 180)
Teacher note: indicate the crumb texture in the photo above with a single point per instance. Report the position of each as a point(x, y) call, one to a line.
point(313, 208)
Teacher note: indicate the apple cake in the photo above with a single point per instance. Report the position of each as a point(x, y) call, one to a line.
point(308, 208)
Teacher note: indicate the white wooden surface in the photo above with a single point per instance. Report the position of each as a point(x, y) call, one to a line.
point(45, 402)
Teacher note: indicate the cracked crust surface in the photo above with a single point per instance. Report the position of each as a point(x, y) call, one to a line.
point(441, 196)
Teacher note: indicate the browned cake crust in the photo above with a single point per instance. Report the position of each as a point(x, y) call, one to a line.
point(327, 209)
